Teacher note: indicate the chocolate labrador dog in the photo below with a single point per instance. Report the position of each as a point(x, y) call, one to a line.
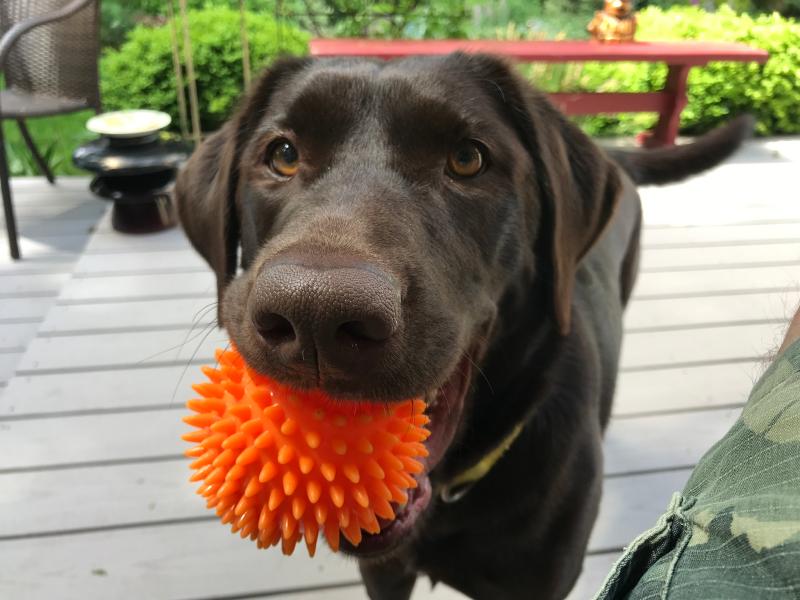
point(434, 227)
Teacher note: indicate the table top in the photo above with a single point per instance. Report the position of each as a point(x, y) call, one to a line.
point(105, 157)
point(685, 53)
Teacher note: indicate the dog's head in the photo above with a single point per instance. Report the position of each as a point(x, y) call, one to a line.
point(381, 213)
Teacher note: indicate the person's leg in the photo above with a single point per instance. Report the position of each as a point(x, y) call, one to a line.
point(734, 531)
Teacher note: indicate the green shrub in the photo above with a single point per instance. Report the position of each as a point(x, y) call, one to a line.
point(770, 92)
point(140, 74)
point(415, 19)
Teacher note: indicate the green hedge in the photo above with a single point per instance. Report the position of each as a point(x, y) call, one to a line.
point(140, 74)
point(770, 92)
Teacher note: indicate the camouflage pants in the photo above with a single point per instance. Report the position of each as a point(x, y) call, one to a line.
point(734, 532)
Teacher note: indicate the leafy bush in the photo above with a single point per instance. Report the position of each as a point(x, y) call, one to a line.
point(533, 19)
point(770, 92)
point(140, 74)
point(118, 17)
point(382, 19)
point(789, 8)
point(325, 18)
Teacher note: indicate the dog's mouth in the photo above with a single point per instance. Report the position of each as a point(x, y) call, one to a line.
point(445, 407)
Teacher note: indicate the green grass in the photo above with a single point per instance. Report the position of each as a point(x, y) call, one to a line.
point(55, 137)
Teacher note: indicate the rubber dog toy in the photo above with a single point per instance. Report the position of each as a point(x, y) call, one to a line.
point(279, 464)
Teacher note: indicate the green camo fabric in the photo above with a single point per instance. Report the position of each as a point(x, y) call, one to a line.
point(734, 532)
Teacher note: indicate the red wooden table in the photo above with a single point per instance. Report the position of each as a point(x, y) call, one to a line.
point(668, 102)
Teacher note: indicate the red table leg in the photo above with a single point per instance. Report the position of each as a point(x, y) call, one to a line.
point(666, 130)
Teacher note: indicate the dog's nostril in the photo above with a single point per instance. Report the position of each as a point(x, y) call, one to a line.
point(275, 329)
point(371, 330)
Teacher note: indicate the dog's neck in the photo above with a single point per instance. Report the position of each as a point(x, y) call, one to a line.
point(506, 391)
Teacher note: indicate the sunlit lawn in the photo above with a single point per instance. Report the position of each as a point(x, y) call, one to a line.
point(56, 138)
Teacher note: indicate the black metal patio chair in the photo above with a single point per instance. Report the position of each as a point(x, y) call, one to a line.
point(48, 60)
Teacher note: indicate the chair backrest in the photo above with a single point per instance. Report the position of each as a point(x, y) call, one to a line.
point(56, 59)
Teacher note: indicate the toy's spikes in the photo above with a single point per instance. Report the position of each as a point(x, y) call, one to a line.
point(280, 465)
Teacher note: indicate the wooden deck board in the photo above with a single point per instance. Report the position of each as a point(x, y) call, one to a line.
point(8, 363)
point(184, 560)
point(20, 285)
point(144, 492)
point(37, 227)
point(690, 388)
point(694, 312)
point(142, 435)
point(93, 316)
point(656, 259)
point(705, 344)
point(155, 387)
point(141, 262)
point(61, 211)
point(702, 236)
point(717, 282)
point(633, 444)
point(24, 308)
point(77, 498)
point(129, 348)
point(89, 430)
point(126, 287)
point(38, 263)
point(16, 335)
point(667, 441)
point(640, 350)
point(190, 561)
point(54, 224)
point(38, 255)
point(631, 505)
point(106, 242)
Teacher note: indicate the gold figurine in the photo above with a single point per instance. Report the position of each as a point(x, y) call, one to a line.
point(615, 23)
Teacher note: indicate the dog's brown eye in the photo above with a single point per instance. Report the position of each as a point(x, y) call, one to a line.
point(283, 158)
point(466, 160)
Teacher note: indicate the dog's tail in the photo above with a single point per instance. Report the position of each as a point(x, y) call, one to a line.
point(667, 165)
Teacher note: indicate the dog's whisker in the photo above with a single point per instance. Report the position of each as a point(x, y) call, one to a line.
point(446, 400)
point(207, 329)
point(224, 350)
point(177, 346)
point(204, 310)
point(479, 370)
point(196, 320)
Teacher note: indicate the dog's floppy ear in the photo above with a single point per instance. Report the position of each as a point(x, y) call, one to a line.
point(581, 189)
point(578, 185)
point(206, 191)
point(204, 197)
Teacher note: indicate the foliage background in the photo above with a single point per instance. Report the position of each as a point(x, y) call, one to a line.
point(141, 72)
point(137, 65)
point(770, 92)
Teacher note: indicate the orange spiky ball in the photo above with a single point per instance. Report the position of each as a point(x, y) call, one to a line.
point(280, 464)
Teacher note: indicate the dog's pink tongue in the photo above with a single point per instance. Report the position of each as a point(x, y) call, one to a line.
point(418, 499)
point(445, 413)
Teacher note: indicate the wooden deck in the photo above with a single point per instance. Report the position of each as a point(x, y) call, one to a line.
point(97, 330)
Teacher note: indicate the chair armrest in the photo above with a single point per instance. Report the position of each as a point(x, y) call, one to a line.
point(18, 29)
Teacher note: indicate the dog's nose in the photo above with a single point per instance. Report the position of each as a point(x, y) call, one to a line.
point(337, 317)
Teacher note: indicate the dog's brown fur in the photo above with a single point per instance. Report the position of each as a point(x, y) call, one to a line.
point(528, 266)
